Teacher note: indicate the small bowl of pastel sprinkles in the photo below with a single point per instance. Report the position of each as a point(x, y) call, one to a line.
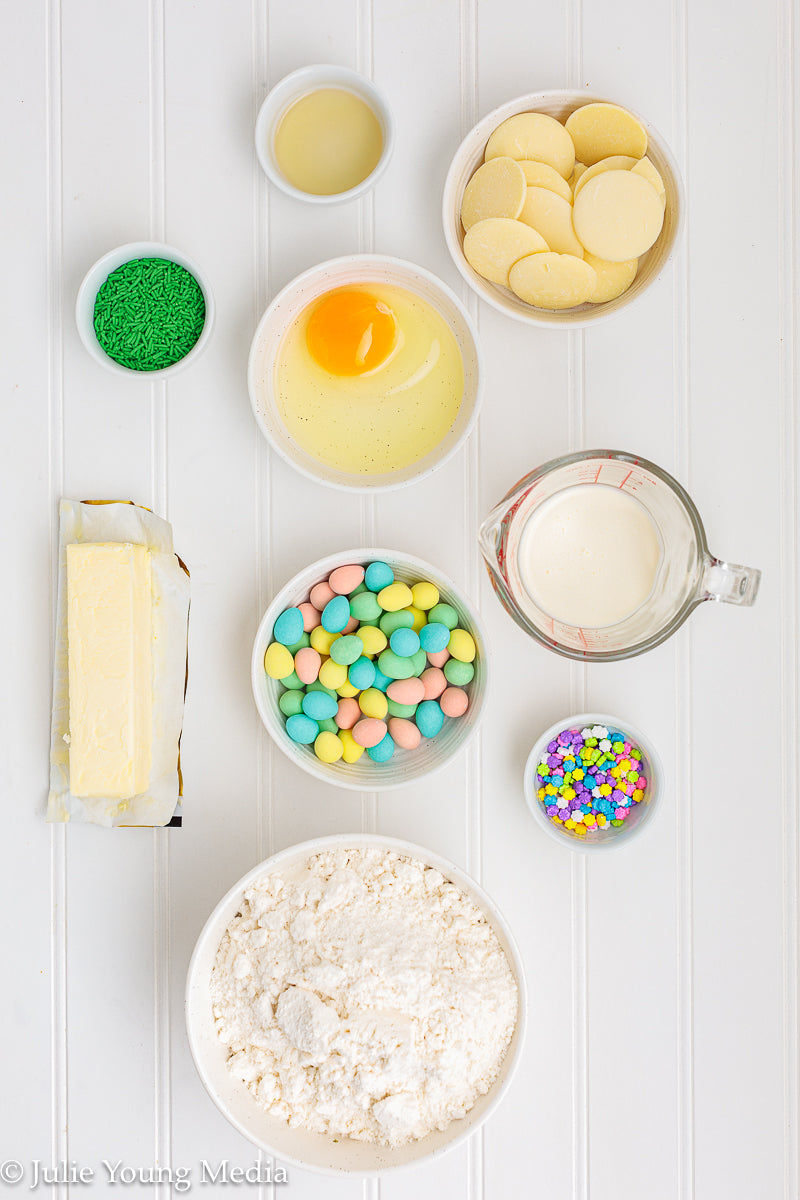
point(369, 669)
point(592, 781)
point(144, 309)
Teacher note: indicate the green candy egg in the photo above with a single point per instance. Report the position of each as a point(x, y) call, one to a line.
point(458, 673)
point(357, 591)
point(445, 614)
point(316, 686)
point(293, 682)
point(395, 667)
point(345, 650)
point(328, 725)
point(291, 702)
point(401, 710)
point(364, 607)
point(419, 661)
point(396, 620)
point(305, 640)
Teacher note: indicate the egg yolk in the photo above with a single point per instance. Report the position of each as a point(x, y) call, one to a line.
point(350, 333)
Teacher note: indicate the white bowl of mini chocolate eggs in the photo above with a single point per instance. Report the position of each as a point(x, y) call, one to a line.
point(639, 145)
point(405, 765)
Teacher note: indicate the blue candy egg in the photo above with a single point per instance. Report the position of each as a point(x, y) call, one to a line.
point(378, 575)
point(335, 614)
point(429, 718)
point(404, 642)
point(302, 729)
point(319, 706)
point(362, 673)
point(434, 637)
point(381, 681)
point(383, 751)
point(288, 628)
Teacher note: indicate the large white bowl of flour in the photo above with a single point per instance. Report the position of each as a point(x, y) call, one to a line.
point(298, 1144)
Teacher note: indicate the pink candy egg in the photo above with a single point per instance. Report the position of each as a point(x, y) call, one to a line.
point(454, 702)
point(439, 659)
point(369, 732)
point(406, 691)
point(434, 682)
point(311, 616)
point(349, 713)
point(405, 733)
point(351, 626)
point(346, 579)
point(320, 594)
point(307, 663)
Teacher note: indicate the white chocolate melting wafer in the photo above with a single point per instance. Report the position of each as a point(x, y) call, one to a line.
point(492, 247)
point(613, 278)
point(617, 162)
point(617, 216)
point(534, 136)
point(551, 216)
point(647, 171)
point(539, 174)
point(600, 130)
point(553, 281)
point(497, 189)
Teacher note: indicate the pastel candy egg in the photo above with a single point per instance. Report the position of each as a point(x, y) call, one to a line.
point(311, 616)
point(328, 724)
point(401, 710)
point(381, 681)
point(328, 748)
point(351, 626)
point(362, 673)
point(429, 718)
point(395, 667)
point(351, 751)
point(278, 661)
point(332, 674)
point(336, 614)
point(404, 642)
point(321, 594)
point(438, 660)
point(288, 627)
point(319, 705)
point(347, 689)
point(419, 618)
point(390, 621)
point(434, 637)
point(301, 643)
point(461, 645)
point(291, 702)
point(348, 714)
point(347, 649)
point(378, 575)
point(404, 733)
point(321, 640)
point(454, 702)
point(374, 640)
point(368, 732)
point(319, 686)
point(365, 607)
point(373, 703)
point(406, 691)
point(394, 597)
point(458, 673)
point(362, 587)
point(434, 682)
point(346, 579)
point(307, 663)
point(302, 729)
point(383, 751)
point(419, 661)
point(292, 682)
point(425, 595)
point(444, 613)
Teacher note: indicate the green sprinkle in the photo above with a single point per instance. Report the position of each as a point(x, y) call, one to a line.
point(149, 314)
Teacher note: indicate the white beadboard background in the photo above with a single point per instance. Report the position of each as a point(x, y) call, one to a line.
point(662, 1057)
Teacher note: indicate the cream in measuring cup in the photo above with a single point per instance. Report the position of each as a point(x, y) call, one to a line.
point(589, 555)
point(602, 555)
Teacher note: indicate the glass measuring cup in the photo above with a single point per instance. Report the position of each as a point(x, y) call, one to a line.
point(686, 575)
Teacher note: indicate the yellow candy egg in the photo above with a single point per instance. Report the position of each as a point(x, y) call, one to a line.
point(346, 691)
point(373, 703)
point(351, 750)
point(424, 595)
point(461, 645)
point(278, 661)
point(321, 640)
point(374, 640)
point(419, 616)
point(394, 597)
point(327, 747)
point(332, 674)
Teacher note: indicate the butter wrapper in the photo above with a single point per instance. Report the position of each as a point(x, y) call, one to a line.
point(86, 521)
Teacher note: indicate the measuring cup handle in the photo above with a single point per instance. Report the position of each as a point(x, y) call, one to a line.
point(730, 583)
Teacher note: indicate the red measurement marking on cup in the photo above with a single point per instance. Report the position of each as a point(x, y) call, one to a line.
point(583, 637)
point(599, 469)
point(627, 477)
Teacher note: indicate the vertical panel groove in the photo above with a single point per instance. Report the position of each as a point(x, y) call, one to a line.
point(683, 652)
point(790, 618)
point(59, 1076)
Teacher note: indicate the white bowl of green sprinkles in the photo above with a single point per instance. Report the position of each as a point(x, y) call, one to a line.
point(97, 276)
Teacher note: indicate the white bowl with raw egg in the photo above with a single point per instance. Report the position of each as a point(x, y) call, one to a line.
point(560, 105)
point(365, 373)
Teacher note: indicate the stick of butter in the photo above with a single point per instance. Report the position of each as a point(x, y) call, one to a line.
point(109, 621)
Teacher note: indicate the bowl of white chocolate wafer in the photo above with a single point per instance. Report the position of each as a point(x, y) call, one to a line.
point(562, 208)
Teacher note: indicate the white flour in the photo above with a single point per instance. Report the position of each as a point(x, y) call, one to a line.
point(363, 996)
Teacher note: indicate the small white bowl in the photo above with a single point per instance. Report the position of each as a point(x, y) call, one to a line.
point(469, 156)
point(315, 1151)
point(99, 273)
point(292, 88)
point(610, 836)
point(287, 306)
point(405, 766)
